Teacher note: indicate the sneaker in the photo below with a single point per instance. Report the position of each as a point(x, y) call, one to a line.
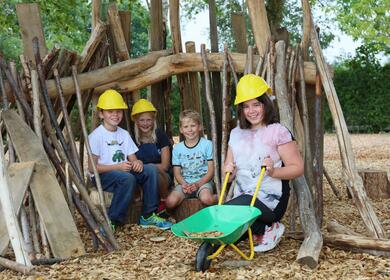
point(163, 214)
point(155, 221)
point(271, 238)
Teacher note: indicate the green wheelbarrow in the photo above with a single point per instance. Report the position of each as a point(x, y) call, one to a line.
point(218, 226)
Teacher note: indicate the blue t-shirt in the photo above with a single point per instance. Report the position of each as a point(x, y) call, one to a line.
point(151, 152)
point(193, 160)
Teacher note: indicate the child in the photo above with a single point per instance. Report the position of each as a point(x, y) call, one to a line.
point(260, 141)
point(154, 146)
point(192, 161)
point(119, 169)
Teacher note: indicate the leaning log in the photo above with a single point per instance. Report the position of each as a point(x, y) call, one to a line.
point(311, 247)
point(154, 67)
point(334, 227)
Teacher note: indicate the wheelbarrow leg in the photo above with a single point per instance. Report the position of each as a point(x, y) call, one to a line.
point(201, 262)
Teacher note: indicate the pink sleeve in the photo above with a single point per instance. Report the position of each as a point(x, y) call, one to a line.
point(283, 135)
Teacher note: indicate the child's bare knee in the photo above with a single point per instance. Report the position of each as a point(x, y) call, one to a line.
point(207, 198)
point(172, 201)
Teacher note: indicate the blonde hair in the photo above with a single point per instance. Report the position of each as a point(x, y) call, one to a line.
point(189, 114)
point(152, 138)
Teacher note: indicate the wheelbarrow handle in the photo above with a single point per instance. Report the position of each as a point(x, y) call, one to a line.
point(225, 182)
point(258, 185)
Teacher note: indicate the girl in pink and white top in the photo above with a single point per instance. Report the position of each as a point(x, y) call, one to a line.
point(258, 141)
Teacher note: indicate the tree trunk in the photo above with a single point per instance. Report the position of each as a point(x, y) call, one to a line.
point(157, 43)
point(375, 183)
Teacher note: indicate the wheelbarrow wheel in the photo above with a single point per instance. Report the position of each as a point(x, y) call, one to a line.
point(201, 261)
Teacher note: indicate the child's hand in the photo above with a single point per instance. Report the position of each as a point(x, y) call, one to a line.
point(194, 187)
point(138, 166)
point(230, 167)
point(125, 166)
point(269, 165)
point(186, 188)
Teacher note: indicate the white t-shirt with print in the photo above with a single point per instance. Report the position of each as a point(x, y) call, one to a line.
point(250, 148)
point(112, 147)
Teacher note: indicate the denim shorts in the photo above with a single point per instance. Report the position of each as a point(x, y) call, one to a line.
point(195, 194)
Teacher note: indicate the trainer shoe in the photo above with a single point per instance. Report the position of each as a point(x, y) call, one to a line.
point(271, 238)
point(155, 221)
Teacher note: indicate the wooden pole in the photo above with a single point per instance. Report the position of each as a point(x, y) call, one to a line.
point(157, 40)
point(85, 133)
point(25, 269)
point(26, 232)
point(13, 228)
point(212, 118)
point(332, 185)
point(193, 89)
point(260, 25)
point(182, 79)
point(68, 124)
point(225, 108)
point(239, 32)
point(308, 155)
point(311, 247)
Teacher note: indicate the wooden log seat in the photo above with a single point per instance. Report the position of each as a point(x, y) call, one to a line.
point(376, 183)
point(187, 208)
point(135, 207)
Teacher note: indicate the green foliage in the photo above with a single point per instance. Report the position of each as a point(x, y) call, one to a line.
point(65, 22)
point(362, 86)
point(68, 23)
point(368, 20)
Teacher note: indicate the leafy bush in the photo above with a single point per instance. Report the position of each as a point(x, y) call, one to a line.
point(362, 86)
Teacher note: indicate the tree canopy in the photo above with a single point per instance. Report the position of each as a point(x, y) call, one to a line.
point(68, 22)
point(368, 20)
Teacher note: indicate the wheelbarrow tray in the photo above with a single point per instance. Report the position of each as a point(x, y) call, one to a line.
point(232, 220)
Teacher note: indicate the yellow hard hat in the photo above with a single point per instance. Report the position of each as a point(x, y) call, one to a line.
point(249, 87)
point(142, 106)
point(111, 99)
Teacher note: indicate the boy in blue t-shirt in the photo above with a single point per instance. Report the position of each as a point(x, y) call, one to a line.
point(113, 152)
point(192, 161)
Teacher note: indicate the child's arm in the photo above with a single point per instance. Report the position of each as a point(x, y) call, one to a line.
point(208, 176)
point(165, 159)
point(137, 165)
point(102, 168)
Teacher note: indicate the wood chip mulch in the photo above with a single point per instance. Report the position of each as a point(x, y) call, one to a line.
point(152, 254)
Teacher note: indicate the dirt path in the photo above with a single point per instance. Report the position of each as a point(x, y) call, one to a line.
point(173, 258)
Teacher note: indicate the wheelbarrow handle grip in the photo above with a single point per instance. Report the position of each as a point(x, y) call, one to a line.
point(258, 185)
point(225, 182)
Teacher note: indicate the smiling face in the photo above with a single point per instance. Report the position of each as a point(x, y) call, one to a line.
point(145, 122)
point(190, 129)
point(254, 112)
point(111, 118)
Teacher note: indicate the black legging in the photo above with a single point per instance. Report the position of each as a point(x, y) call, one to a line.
point(267, 216)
